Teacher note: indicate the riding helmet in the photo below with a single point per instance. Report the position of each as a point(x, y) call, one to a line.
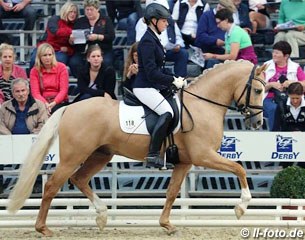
point(155, 10)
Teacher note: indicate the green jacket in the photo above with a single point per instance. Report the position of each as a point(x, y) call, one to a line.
point(292, 10)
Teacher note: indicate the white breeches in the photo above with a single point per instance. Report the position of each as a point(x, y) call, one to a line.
point(153, 99)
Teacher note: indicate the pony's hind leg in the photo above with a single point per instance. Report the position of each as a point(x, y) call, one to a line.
point(173, 189)
point(215, 161)
point(52, 186)
point(82, 177)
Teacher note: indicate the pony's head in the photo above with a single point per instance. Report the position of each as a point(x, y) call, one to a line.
point(250, 99)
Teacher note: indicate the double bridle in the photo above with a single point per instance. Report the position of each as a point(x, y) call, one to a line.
point(242, 108)
point(245, 109)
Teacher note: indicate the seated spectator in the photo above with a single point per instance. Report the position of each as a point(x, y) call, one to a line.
point(292, 11)
point(187, 14)
point(280, 67)
point(238, 44)
point(293, 116)
point(22, 114)
point(259, 16)
point(171, 40)
point(127, 13)
point(59, 29)
point(210, 38)
point(131, 67)
point(95, 78)
point(241, 16)
point(9, 70)
point(18, 9)
point(101, 33)
point(49, 79)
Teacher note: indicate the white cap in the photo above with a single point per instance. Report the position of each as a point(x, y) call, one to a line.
point(161, 2)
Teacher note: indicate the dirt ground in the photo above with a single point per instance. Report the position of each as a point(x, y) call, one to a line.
point(184, 233)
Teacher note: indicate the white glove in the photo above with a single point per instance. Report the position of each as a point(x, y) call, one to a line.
point(179, 82)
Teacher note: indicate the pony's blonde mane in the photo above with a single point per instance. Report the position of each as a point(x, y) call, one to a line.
point(206, 71)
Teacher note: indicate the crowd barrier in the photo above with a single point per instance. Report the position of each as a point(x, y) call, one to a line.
point(259, 152)
point(236, 145)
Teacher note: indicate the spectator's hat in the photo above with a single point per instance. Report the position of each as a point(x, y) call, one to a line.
point(228, 4)
point(161, 2)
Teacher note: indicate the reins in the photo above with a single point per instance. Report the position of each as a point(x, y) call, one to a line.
point(238, 107)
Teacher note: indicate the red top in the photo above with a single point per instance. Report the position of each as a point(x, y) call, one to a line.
point(17, 72)
point(58, 34)
point(55, 83)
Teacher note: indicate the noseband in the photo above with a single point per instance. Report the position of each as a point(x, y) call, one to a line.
point(245, 109)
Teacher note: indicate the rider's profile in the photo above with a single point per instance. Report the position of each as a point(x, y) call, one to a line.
point(152, 79)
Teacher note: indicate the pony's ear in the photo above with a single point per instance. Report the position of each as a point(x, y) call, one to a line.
point(261, 69)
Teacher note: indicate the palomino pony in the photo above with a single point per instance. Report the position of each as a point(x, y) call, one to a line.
point(89, 136)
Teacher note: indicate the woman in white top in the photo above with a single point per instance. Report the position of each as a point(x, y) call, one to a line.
point(187, 14)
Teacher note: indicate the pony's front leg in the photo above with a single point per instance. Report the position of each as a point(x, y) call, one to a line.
point(177, 178)
point(241, 208)
point(215, 161)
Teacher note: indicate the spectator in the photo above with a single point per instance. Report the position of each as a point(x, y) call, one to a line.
point(171, 40)
point(127, 13)
point(49, 79)
point(187, 14)
point(293, 117)
point(210, 38)
point(101, 33)
point(279, 67)
point(22, 114)
point(259, 16)
point(292, 11)
point(95, 79)
point(241, 16)
point(18, 9)
point(131, 66)
point(8, 70)
point(238, 44)
point(59, 29)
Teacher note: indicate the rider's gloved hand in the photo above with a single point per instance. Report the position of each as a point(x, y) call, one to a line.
point(179, 82)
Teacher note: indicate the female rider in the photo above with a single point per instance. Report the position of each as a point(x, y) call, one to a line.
point(151, 80)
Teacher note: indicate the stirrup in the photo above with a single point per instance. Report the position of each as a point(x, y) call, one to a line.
point(158, 162)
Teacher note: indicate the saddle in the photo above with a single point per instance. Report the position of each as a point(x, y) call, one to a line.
point(150, 117)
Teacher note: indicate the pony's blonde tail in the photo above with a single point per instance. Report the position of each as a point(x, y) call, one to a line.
point(33, 162)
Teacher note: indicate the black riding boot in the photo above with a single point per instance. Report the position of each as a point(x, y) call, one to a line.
point(158, 135)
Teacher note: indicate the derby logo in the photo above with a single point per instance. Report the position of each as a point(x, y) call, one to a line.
point(284, 148)
point(228, 148)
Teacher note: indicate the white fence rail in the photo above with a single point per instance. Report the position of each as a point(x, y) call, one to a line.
point(261, 212)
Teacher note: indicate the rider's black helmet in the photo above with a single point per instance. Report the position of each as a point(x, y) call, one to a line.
point(155, 10)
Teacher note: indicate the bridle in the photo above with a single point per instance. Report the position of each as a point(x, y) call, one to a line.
point(244, 109)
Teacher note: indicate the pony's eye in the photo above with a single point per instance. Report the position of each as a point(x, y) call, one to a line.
point(258, 91)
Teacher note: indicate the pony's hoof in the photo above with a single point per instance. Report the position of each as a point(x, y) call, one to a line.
point(101, 221)
point(46, 232)
point(171, 232)
point(239, 212)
